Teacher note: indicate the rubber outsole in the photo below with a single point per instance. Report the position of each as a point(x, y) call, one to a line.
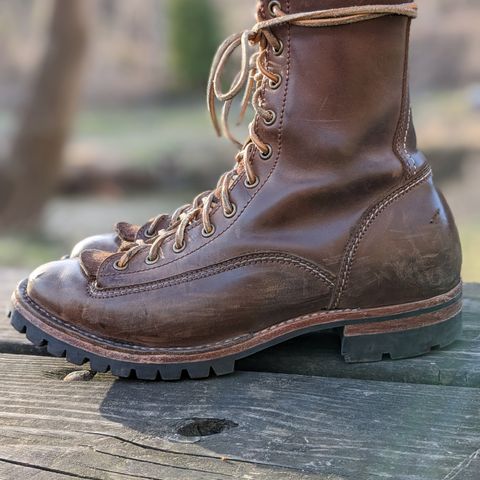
point(401, 344)
point(118, 368)
point(363, 341)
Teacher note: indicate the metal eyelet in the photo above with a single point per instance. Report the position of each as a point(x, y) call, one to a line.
point(272, 120)
point(208, 234)
point(118, 267)
point(251, 185)
point(179, 249)
point(231, 213)
point(148, 234)
point(277, 83)
point(278, 51)
point(151, 261)
point(268, 154)
point(271, 7)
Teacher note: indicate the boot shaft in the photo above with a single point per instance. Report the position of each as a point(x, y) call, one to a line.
point(342, 139)
point(347, 99)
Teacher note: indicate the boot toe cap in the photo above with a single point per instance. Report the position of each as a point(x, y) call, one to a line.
point(59, 292)
point(55, 287)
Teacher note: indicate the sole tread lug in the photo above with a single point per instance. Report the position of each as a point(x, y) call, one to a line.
point(147, 372)
point(76, 356)
point(35, 336)
point(170, 372)
point(17, 322)
point(122, 370)
point(200, 370)
point(223, 366)
point(99, 364)
point(56, 348)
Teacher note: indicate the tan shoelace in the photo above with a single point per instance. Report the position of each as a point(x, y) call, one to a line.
point(250, 79)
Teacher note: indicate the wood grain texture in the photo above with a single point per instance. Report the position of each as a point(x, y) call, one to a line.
point(319, 354)
point(289, 427)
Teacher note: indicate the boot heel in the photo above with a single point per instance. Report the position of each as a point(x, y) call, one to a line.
point(408, 337)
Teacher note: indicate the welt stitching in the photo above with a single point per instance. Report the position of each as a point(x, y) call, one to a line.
point(105, 340)
point(412, 163)
point(210, 271)
point(397, 143)
point(400, 149)
point(169, 349)
point(406, 104)
point(280, 137)
point(352, 250)
point(174, 349)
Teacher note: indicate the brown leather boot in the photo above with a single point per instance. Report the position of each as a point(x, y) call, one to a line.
point(329, 219)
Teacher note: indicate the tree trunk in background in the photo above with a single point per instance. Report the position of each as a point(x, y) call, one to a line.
point(31, 172)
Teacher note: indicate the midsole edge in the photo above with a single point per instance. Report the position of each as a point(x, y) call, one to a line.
point(249, 342)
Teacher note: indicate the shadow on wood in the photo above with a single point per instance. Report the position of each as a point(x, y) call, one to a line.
point(257, 424)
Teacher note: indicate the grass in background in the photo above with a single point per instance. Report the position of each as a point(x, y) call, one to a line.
point(22, 251)
point(140, 136)
point(470, 238)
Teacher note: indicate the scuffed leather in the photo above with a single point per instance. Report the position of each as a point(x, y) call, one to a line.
point(240, 297)
point(411, 251)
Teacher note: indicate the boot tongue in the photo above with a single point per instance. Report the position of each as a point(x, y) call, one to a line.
point(127, 231)
point(90, 261)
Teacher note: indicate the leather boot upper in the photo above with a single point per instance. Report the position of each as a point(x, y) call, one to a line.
point(331, 214)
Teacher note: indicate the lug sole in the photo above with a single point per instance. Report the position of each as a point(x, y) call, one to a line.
point(365, 345)
point(369, 335)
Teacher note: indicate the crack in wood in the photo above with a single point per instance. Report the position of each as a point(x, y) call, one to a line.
point(143, 477)
point(47, 469)
point(197, 455)
point(151, 462)
point(462, 466)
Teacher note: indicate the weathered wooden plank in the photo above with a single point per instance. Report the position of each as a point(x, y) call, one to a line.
point(318, 354)
point(288, 426)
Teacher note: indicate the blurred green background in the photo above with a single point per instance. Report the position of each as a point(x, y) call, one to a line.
point(115, 90)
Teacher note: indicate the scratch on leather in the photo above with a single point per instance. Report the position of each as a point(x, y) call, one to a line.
point(364, 226)
point(409, 157)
